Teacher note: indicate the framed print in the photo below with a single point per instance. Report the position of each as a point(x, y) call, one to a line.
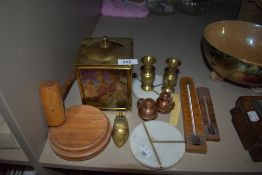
point(106, 87)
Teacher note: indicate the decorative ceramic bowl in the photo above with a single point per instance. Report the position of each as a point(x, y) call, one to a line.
point(233, 49)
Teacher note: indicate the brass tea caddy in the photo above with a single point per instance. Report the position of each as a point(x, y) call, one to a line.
point(103, 82)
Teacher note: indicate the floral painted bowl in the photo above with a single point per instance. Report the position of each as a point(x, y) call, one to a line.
point(233, 49)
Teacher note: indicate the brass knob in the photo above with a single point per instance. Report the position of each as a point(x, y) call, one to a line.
point(105, 42)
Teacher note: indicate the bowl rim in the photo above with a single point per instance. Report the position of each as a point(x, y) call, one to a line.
point(233, 21)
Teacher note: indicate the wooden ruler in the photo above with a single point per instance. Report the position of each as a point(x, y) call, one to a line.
point(208, 114)
point(192, 119)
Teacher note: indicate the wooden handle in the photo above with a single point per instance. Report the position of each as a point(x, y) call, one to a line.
point(51, 98)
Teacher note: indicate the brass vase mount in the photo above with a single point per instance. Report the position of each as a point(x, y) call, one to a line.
point(170, 75)
point(147, 72)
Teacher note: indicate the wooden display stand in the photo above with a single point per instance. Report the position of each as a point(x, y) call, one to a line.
point(85, 133)
point(75, 133)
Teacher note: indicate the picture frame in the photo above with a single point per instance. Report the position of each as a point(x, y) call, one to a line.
point(105, 87)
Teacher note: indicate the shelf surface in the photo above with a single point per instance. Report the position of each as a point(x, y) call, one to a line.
point(13, 156)
point(219, 157)
point(10, 150)
point(180, 36)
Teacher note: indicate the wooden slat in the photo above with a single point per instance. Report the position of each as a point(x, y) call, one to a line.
point(188, 120)
point(208, 114)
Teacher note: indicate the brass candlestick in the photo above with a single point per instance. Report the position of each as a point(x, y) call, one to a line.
point(170, 75)
point(147, 72)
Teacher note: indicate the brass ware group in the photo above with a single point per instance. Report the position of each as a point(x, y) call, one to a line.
point(148, 109)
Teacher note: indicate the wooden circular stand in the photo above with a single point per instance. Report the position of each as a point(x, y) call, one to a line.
point(85, 133)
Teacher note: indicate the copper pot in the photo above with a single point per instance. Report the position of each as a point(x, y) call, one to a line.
point(164, 103)
point(147, 109)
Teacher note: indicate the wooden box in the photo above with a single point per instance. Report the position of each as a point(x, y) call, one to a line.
point(248, 124)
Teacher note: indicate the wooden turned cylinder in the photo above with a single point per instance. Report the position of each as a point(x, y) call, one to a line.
point(51, 98)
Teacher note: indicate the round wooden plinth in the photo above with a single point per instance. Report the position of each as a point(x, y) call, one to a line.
point(85, 133)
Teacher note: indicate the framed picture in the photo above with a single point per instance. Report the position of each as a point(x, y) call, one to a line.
point(106, 87)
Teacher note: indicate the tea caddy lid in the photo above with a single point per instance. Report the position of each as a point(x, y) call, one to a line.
point(104, 50)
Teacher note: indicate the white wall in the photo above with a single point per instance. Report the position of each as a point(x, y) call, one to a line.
point(38, 41)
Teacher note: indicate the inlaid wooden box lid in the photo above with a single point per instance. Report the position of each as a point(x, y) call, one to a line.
point(85, 133)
